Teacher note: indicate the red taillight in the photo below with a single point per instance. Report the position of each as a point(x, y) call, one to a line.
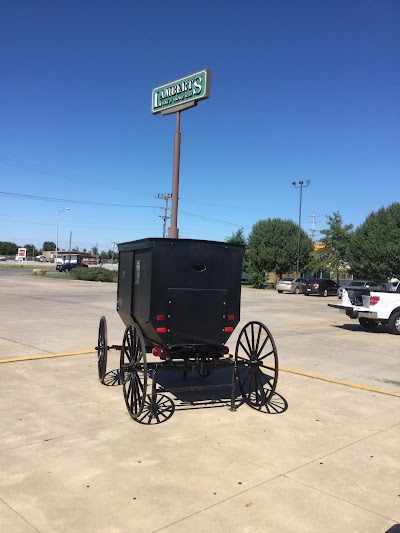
point(160, 318)
point(161, 330)
point(373, 300)
point(228, 329)
point(226, 349)
point(157, 352)
point(316, 285)
point(231, 317)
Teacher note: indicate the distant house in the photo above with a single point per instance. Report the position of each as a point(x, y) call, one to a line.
point(71, 257)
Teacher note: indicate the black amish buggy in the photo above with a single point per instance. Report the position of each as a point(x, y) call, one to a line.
point(180, 302)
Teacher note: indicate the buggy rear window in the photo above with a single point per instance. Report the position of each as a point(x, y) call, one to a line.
point(199, 268)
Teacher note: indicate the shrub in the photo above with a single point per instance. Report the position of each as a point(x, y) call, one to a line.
point(257, 279)
point(94, 274)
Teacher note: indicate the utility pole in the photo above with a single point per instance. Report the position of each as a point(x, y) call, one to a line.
point(166, 197)
point(313, 231)
point(112, 257)
point(70, 239)
point(300, 186)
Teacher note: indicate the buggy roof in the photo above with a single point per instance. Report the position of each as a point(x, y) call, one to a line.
point(151, 241)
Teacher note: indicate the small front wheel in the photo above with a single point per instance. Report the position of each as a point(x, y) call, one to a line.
point(297, 290)
point(394, 323)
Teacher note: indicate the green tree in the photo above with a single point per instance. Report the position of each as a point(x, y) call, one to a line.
point(272, 247)
point(30, 249)
point(239, 238)
point(375, 249)
point(48, 246)
point(8, 248)
point(95, 250)
point(337, 238)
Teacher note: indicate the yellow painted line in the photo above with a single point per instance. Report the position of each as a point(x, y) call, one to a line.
point(339, 382)
point(49, 356)
point(281, 368)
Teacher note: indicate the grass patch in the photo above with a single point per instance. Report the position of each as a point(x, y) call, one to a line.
point(30, 266)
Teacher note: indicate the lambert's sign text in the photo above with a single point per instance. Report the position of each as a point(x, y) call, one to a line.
point(189, 89)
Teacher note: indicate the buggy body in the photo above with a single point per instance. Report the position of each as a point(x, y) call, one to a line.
point(184, 294)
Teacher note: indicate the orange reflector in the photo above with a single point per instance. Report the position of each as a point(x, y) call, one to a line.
point(228, 329)
point(156, 352)
point(231, 317)
point(160, 318)
point(161, 330)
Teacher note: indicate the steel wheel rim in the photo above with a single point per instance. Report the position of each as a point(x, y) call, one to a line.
point(256, 357)
point(156, 410)
point(102, 349)
point(133, 370)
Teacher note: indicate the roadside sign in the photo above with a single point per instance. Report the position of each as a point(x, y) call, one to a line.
point(184, 91)
point(22, 253)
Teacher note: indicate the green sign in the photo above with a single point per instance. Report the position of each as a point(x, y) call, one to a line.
point(180, 92)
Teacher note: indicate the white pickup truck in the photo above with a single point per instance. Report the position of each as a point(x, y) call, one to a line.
point(372, 307)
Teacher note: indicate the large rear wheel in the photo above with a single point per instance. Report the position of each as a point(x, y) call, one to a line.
point(256, 358)
point(133, 370)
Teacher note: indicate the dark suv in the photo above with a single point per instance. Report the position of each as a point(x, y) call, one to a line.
point(66, 267)
point(322, 287)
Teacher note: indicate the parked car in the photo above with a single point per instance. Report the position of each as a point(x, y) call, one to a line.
point(294, 285)
point(245, 279)
point(359, 283)
point(322, 287)
point(391, 286)
point(66, 267)
point(3, 258)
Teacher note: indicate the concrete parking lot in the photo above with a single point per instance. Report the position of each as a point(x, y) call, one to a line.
point(326, 458)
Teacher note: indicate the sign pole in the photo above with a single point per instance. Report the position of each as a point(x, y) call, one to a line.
point(173, 230)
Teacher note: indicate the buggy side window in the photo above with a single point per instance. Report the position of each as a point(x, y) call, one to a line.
point(137, 272)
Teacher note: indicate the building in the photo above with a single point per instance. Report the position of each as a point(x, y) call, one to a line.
point(71, 257)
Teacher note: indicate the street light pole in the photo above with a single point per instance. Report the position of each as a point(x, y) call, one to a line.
point(58, 213)
point(300, 186)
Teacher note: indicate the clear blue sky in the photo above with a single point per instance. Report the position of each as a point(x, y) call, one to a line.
point(299, 90)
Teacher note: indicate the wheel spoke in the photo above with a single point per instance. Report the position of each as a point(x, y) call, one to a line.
point(263, 345)
point(248, 342)
point(245, 349)
point(266, 355)
point(258, 340)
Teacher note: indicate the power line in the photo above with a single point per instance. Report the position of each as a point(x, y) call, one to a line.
point(61, 174)
point(82, 202)
point(105, 204)
point(214, 220)
point(76, 177)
